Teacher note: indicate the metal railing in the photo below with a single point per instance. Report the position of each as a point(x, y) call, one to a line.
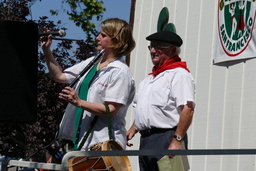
point(64, 165)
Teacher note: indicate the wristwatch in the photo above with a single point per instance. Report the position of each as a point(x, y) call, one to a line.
point(178, 138)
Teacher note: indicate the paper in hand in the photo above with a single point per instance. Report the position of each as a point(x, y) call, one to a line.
point(168, 164)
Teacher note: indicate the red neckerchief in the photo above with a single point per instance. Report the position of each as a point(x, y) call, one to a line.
point(175, 62)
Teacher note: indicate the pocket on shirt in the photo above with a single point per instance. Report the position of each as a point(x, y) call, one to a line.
point(160, 98)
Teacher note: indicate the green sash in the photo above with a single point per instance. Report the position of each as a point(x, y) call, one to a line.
point(82, 93)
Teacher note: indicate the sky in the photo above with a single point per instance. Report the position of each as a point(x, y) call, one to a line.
point(114, 8)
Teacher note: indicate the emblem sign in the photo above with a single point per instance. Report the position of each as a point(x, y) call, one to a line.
point(236, 19)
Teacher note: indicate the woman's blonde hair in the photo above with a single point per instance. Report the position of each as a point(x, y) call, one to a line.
point(120, 33)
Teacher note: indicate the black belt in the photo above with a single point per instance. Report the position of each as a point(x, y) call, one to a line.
point(148, 132)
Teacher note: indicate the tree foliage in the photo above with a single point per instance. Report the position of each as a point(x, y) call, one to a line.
point(82, 12)
point(35, 140)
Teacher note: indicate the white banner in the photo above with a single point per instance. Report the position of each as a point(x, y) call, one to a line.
point(236, 34)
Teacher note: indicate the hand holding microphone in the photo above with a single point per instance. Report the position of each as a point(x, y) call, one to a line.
point(46, 41)
point(46, 38)
point(60, 33)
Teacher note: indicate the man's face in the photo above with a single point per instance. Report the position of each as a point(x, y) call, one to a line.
point(160, 52)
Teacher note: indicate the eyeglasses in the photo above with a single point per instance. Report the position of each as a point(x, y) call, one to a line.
point(158, 47)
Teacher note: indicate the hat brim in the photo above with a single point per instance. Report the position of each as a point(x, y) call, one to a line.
point(166, 36)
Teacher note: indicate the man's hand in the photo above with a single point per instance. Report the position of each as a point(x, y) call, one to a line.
point(130, 134)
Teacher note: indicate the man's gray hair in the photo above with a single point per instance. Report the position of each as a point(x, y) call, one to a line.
point(177, 50)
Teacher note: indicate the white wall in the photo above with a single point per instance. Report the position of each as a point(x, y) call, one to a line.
point(225, 114)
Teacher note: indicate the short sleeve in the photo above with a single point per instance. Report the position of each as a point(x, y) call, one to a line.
point(183, 88)
point(120, 88)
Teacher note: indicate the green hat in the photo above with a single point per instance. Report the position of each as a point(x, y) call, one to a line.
point(166, 36)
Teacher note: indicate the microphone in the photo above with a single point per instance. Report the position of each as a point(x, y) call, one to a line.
point(55, 38)
point(60, 33)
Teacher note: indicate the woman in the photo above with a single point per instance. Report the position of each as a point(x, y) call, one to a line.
point(109, 82)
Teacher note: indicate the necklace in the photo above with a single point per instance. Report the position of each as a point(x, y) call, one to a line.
point(104, 64)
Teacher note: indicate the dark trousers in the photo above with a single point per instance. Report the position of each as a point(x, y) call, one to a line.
point(156, 141)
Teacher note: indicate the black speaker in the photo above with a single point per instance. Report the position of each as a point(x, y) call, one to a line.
point(18, 71)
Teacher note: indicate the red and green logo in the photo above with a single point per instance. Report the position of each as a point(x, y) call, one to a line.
point(236, 19)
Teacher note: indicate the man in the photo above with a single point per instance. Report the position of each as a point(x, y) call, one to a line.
point(164, 103)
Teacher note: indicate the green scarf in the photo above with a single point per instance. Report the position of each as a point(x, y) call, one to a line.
point(82, 93)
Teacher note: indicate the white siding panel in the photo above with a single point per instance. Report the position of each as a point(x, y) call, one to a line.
point(225, 114)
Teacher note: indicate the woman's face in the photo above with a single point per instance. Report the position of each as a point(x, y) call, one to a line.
point(104, 41)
